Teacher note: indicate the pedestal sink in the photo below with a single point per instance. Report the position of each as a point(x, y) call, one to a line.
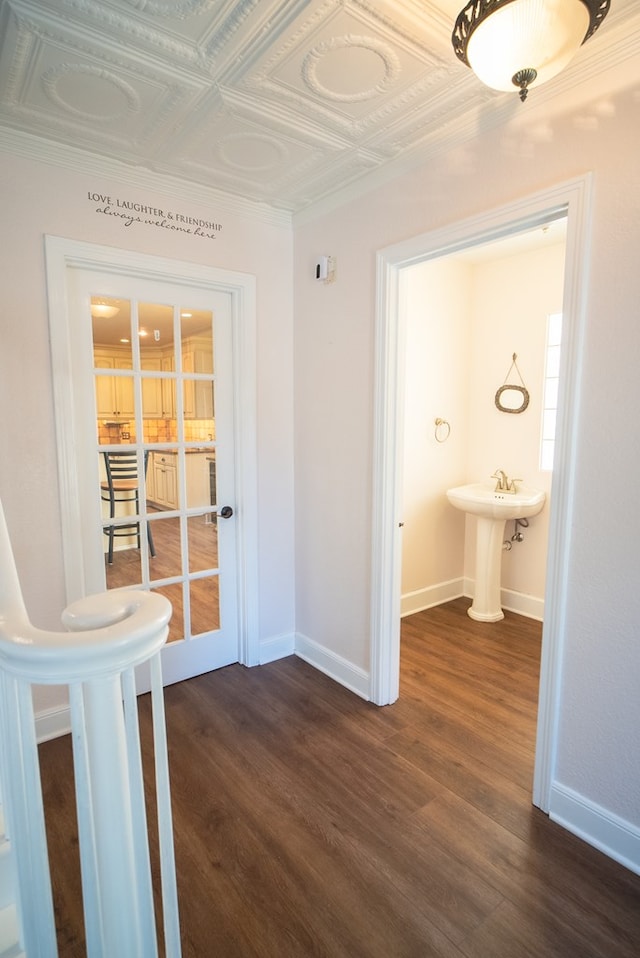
point(492, 508)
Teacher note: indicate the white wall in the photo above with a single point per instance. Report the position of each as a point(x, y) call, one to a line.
point(597, 756)
point(512, 298)
point(437, 304)
point(45, 199)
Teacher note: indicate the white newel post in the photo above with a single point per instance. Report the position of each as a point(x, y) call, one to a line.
point(109, 635)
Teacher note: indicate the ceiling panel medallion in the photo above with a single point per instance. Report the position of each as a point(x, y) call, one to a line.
point(349, 69)
point(252, 152)
point(90, 92)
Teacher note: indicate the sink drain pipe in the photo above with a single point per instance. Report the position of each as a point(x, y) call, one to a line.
point(517, 536)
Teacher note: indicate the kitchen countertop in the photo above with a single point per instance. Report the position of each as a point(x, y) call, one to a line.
point(174, 452)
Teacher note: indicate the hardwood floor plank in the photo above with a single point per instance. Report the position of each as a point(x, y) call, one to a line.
point(311, 823)
point(62, 837)
point(316, 807)
point(464, 734)
point(326, 884)
point(530, 933)
point(519, 870)
point(494, 794)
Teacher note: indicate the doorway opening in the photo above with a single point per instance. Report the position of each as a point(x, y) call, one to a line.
point(569, 200)
point(465, 316)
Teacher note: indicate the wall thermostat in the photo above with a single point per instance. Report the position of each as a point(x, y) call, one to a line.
point(326, 269)
point(322, 267)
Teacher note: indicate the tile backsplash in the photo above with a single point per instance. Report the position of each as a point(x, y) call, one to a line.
point(156, 430)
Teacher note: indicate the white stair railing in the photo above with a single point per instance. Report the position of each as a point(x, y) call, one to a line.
point(109, 635)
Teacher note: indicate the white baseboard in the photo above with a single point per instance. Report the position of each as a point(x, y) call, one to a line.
point(333, 665)
point(528, 605)
point(51, 723)
point(277, 647)
point(523, 604)
point(423, 599)
point(597, 826)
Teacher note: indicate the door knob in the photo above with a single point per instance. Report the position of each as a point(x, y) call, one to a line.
point(225, 513)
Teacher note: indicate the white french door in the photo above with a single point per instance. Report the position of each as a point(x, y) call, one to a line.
point(152, 388)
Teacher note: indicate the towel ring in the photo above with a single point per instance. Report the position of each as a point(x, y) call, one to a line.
point(443, 430)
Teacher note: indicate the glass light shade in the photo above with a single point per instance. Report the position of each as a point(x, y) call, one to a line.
point(542, 35)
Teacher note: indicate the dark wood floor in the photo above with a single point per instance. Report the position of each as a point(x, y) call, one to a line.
point(310, 823)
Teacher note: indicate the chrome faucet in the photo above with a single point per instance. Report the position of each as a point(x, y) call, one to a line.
point(504, 484)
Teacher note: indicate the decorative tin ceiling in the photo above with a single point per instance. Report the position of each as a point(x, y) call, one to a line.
point(277, 103)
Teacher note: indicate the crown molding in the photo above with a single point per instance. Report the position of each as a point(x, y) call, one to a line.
point(71, 158)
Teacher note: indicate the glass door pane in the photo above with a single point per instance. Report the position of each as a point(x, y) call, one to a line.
point(112, 367)
point(160, 526)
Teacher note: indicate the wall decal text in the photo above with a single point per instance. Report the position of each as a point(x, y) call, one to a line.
point(130, 212)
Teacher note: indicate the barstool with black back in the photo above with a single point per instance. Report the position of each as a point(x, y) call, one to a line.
point(122, 485)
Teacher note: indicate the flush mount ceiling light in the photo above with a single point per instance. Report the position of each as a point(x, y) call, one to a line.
point(523, 43)
point(103, 310)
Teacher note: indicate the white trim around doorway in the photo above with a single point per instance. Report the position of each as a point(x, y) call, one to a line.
point(572, 199)
point(62, 254)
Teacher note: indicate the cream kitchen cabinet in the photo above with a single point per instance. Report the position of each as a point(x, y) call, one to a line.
point(152, 406)
point(114, 394)
point(198, 394)
point(199, 471)
point(198, 399)
point(164, 479)
point(149, 480)
point(168, 389)
point(203, 400)
point(158, 395)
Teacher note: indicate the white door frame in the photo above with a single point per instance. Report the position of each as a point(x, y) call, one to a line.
point(63, 254)
point(573, 199)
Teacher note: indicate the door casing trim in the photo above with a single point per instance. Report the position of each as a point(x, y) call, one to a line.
point(573, 199)
point(62, 254)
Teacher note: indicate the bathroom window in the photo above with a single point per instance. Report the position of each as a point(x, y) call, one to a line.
point(551, 382)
